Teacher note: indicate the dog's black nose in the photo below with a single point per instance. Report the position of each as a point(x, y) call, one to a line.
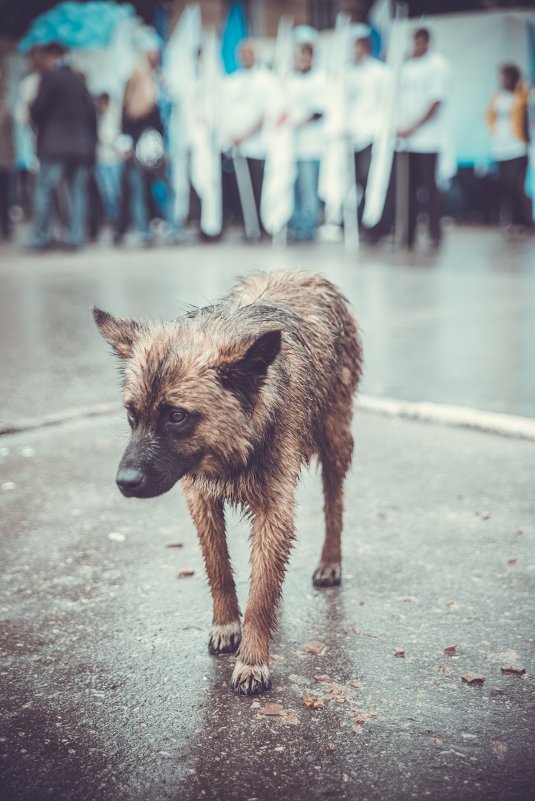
point(129, 480)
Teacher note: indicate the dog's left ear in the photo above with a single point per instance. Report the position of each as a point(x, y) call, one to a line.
point(245, 372)
point(120, 332)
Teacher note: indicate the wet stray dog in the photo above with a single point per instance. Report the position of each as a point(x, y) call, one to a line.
point(233, 399)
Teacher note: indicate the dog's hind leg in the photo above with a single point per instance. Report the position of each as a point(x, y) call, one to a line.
point(336, 449)
point(208, 516)
point(272, 538)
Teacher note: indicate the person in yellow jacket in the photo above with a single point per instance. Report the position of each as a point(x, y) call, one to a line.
point(507, 122)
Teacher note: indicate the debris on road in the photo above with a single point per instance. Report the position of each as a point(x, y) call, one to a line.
point(186, 572)
point(314, 647)
point(399, 652)
point(450, 650)
point(511, 670)
point(272, 710)
point(175, 545)
point(473, 679)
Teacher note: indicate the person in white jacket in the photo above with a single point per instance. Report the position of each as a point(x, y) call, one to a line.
point(306, 90)
point(365, 86)
point(247, 94)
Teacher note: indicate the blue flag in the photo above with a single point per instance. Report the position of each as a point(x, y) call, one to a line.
point(235, 32)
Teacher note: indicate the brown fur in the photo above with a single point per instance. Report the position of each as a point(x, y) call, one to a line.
point(267, 378)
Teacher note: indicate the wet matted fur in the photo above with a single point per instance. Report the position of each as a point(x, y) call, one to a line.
point(233, 399)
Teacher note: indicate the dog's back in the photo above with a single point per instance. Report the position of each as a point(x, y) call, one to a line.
point(321, 349)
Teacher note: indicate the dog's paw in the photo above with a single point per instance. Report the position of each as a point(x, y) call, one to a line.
point(327, 574)
point(250, 679)
point(225, 639)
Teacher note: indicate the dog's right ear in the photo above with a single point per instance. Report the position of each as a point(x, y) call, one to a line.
point(120, 332)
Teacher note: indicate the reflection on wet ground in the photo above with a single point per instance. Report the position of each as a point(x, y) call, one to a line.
point(109, 690)
point(456, 326)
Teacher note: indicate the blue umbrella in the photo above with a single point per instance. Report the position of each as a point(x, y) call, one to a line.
point(77, 25)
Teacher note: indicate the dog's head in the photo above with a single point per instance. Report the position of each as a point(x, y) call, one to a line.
point(195, 399)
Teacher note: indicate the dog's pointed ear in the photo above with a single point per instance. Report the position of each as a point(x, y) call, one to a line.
point(245, 368)
point(120, 332)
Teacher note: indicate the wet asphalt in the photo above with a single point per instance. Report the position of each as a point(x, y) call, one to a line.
point(108, 690)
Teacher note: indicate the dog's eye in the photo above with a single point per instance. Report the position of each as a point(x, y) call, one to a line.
point(131, 418)
point(177, 417)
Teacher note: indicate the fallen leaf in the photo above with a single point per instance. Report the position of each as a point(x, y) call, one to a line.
point(272, 710)
point(174, 545)
point(351, 629)
point(450, 650)
point(512, 560)
point(322, 678)
point(435, 740)
point(357, 726)
point(443, 669)
point(314, 647)
point(511, 670)
point(399, 652)
point(310, 701)
point(186, 572)
point(473, 679)
point(330, 747)
point(499, 747)
point(452, 604)
point(406, 598)
point(355, 683)
point(483, 515)
point(289, 719)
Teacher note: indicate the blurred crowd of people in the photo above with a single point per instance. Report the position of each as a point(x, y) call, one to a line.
point(209, 146)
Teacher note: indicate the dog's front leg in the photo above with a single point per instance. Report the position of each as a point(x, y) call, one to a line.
point(272, 537)
point(208, 516)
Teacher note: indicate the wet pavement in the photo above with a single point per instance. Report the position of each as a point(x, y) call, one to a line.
point(108, 688)
point(457, 326)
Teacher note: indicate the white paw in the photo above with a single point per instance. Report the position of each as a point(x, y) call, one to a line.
point(250, 679)
point(225, 639)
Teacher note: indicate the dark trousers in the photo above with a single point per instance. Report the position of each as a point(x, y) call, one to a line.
point(514, 205)
point(423, 193)
point(363, 160)
point(256, 171)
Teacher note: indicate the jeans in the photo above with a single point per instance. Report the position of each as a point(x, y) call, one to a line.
point(108, 178)
point(75, 176)
point(305, 217)
point(135, 195)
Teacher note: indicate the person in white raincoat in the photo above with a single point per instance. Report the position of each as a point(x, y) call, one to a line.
point(424, 89)
point(306, 89)
point(247, 94)
point(365, 82)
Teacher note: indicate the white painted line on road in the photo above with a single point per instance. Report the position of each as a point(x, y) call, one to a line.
point(57, 418)
point(507, 425)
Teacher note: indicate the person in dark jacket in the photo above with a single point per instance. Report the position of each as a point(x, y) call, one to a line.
point(64, 116)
